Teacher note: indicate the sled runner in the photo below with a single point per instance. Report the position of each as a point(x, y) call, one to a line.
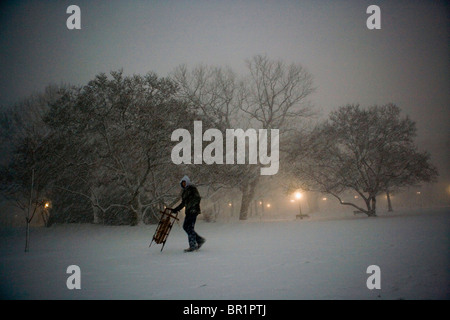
point(164, 226)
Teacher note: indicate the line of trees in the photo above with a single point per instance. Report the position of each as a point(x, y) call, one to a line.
point(101, 152)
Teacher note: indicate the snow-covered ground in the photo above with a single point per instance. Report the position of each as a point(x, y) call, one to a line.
point(289, 259)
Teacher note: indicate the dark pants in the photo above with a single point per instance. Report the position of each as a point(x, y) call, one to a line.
point(188, 226)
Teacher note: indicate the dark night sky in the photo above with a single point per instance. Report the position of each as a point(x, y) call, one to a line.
point(406, 62)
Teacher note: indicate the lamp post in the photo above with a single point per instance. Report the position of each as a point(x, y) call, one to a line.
point(230, 205)
point(298, 195)
point(420, 198)
point(45, 213)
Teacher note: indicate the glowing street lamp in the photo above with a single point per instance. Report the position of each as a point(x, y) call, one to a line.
point(47, 205)
point(231, 208)
point(299, 195)
point(420, 198)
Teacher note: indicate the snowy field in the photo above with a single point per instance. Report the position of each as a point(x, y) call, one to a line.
point(289, 259)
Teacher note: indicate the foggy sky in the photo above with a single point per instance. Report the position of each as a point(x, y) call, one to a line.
point(406, 62)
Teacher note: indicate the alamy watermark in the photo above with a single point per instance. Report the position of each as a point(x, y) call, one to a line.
point(374, 20)
point(256, 141)
point(374, 280)
point(73, 22)
point(74, 280)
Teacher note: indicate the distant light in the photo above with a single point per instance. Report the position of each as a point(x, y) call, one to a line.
point(298, 195)
point(46, 205)
point(324, 199)
point(356, 197)
point(418, 192)
point(292, 200)
point(230, 204)
point(268, 205)
point(260, 203)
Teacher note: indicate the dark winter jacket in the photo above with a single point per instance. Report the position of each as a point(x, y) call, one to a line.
point(190, 198)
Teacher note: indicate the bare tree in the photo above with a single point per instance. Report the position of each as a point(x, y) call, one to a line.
point(367, 151)
point(272, 96)
point(210, 92)
point(25, 171)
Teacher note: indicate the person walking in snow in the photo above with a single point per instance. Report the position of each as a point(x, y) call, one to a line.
point(190, 200)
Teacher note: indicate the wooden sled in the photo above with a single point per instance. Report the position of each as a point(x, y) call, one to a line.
point(164, 226)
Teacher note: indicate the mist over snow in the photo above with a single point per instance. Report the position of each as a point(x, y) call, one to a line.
point(312, 258)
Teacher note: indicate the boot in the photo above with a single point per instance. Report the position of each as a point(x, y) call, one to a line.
point(191, 249)
point(200, 242)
